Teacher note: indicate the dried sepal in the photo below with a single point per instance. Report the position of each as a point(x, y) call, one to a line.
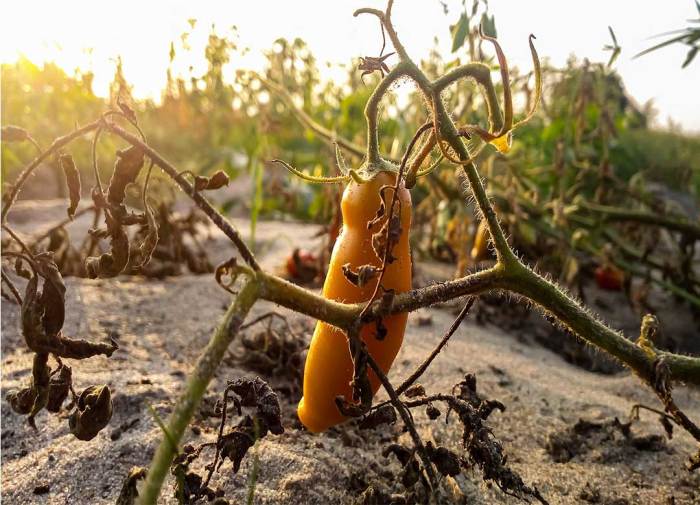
point(92, 412)
point(362, 276)
point(72, 181)
point(126, 170)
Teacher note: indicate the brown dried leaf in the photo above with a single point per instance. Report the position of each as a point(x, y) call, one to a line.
point(216, 181)
point(92, 413)
point(59, 387)
point(72, 181)
point(126, 170)
point(22, 400)
point(257, 393)
point(114, 262)
point(383, 415)
point(12, 133)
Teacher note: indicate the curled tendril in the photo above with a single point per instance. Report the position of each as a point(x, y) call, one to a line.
point(502, 139)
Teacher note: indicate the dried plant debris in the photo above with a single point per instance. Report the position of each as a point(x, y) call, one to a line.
point(480, 448)
point(276, 349)
point(609, 441)
point(251, 393)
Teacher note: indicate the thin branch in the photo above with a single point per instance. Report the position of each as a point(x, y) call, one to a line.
point(443, 342)
point(26, 172)
point(13, 289)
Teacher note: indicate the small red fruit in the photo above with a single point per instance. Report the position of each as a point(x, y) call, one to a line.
point(609, 277)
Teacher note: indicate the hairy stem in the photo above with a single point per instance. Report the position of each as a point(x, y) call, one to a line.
point(198, 381)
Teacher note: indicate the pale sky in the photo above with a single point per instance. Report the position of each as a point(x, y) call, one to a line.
point(141, 31)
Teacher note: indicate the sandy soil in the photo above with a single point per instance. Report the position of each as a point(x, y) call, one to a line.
point(161, 326)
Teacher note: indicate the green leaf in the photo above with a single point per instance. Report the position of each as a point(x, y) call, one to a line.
point(459, 32)
point(488, 25)
point(689, 57)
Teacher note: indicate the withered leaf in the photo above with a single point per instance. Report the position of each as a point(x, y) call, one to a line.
point(150, 242)
point(446, 461)
point(235, 445)
point(126, 110)
point(12, 133)
point(43, 315)
point(92, 412)
point(385, 414)
point(22, 400)
point(129, 493)
point(114, 262)
point(72, 181)
point(257, 393)
point(126, 170)
point(216, 181)
point(59, 387)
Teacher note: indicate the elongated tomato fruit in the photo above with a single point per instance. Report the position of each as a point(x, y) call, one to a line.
point(329, 370)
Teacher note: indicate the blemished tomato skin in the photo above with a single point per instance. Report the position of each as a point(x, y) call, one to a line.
point(329, 370)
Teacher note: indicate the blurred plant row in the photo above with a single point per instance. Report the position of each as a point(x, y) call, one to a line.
point(588, 189)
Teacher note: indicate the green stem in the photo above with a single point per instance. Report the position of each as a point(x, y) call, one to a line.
point(198, 381)
point(584, 324)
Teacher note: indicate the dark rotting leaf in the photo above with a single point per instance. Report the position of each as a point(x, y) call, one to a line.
point(72, 181)
point(257, 393)
point(92, 412)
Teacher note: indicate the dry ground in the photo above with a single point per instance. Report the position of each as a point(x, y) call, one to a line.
point(161, 326)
